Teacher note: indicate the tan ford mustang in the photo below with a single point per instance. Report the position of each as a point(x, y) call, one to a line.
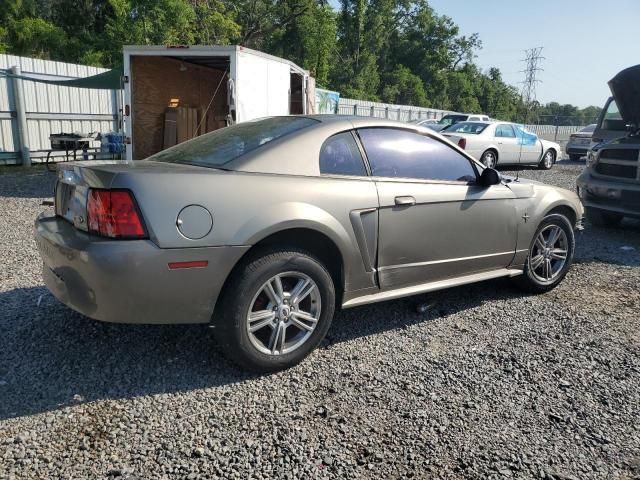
point(264, 228)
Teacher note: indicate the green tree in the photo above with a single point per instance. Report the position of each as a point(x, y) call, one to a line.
point(403, 87)
point(356, 74)
point(399, 51)
point(38, 38)
point(305, 32)
point(214, 23)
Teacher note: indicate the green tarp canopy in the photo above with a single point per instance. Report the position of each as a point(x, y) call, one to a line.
point(109, 80)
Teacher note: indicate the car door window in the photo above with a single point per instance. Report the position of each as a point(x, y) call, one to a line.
point(525, 137)
point(340, 155)
point(505, 131)
point(406, 154)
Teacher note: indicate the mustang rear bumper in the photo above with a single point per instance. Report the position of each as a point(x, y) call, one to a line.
point(129, 281)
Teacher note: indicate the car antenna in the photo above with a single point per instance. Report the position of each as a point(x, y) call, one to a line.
point(520, 140)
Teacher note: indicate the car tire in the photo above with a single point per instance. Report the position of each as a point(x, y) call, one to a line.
point(489, 159)
point(534, 279)
point(248, 290)
point(548, 159)
point(601, 218)
point(574, 157)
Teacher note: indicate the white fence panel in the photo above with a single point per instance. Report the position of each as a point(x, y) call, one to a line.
point(6, 136)
point(405, 113)
point(558, 134)
point(51, 108)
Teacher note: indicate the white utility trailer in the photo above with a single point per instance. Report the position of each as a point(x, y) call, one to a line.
point(173, 93)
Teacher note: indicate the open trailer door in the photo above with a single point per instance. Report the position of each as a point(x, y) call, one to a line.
point(173, 94)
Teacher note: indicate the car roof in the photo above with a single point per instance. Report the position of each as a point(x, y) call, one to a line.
point(333, 118)
point(358, 121)
point(288, 154)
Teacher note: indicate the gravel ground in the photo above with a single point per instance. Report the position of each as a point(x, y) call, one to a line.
point(488, 383)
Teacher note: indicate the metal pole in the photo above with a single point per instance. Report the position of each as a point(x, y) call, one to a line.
point(21, 117)
point(373, 112)
point(355, 109)
point(555, 136)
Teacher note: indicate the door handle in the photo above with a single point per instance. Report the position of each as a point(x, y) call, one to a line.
point(406, 200)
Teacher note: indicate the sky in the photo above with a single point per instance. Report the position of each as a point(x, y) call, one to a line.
point(585, 43)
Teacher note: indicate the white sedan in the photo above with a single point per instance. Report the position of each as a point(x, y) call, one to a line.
point(503, 143)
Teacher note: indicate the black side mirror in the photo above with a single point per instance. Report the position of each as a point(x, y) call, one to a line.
point(489, 177)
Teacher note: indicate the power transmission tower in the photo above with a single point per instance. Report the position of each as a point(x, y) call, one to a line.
point(532, 60)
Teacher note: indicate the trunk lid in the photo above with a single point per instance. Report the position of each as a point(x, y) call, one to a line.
point(625, 88)
point(71, 189)
point(76, 178)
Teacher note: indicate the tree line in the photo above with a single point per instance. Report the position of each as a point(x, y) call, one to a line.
point(395, 51)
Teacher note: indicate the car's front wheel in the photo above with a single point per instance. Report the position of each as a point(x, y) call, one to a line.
point(275, 309)
point(550, 255)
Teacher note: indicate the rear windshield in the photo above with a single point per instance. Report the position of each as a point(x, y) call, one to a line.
point(450, 119)
point(467, 127)
point(220, 147)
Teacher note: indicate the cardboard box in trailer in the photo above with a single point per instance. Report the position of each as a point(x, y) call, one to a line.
point(173, 94)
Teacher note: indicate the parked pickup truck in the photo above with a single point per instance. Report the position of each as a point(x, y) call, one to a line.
point(609, 186)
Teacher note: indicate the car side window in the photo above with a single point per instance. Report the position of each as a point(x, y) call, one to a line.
point(505, 131)
point(525, 137)
point(340, 155)
point(401, 153)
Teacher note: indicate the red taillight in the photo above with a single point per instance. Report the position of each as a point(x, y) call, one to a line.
point(113, 213)
point(462, 143)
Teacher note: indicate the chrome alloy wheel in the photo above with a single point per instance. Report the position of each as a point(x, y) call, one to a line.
point(284, 313)
point(489, 160)
point(548, 159)
point(549, 254)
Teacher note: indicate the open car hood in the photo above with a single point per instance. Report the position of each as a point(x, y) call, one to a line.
point(625, 88)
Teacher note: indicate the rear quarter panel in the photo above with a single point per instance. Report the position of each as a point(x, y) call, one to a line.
point(477, 145)
point(247, 207)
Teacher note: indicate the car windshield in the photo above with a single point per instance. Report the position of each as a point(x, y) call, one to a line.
point(588, 129)
point(221, 146)
point(451, 119)
point(467, 127)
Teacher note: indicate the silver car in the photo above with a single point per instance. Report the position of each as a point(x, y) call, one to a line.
point(579, 142)
point(453, 118)
point(503, 143)
point(424, 122)
point(264, 228)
